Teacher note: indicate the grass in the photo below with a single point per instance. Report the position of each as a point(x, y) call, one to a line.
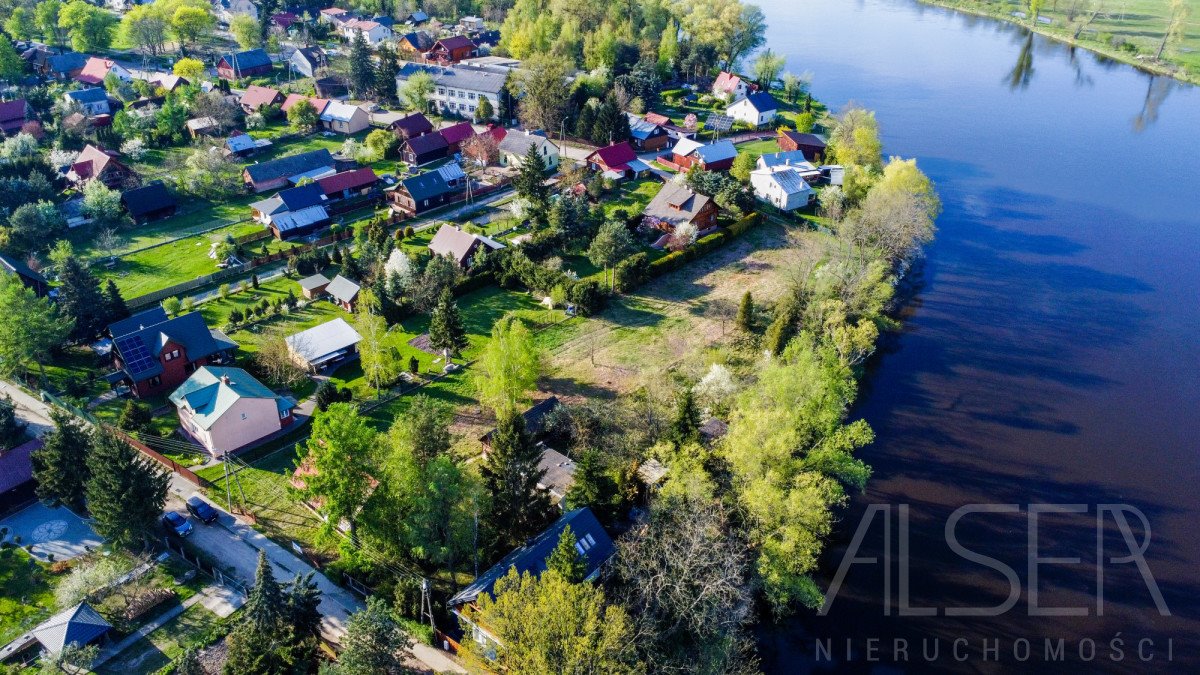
point(763, 147)
point(632, 196)
point(157, 650)
point(28, 595)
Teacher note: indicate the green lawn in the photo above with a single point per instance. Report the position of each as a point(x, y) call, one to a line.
point(28, 595)
point(632, 196)
point(157, 650)
point(763, 147)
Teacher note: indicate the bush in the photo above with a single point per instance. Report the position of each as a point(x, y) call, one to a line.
point(422, 632)
point(587, 296)
point(632, 272)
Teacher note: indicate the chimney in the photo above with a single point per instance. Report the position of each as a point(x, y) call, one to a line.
point(225, 380)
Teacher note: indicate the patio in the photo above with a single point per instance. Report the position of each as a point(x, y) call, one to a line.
point(51, 533)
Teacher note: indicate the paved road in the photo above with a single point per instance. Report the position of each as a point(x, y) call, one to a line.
point(30, 409)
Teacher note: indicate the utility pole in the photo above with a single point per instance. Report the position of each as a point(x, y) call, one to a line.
point(228, 494)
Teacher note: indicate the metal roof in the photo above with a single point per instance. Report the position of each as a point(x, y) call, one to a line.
point(299, 219)
point(93, 95)
point(318, 342)
point(290, 165)
point(340, 112)
point(211, 391)
point(460, 77)
point(140, 349)
point(342, 289)
point(78, 625)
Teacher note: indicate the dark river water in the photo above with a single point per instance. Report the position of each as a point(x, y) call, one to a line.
point(1049, 357)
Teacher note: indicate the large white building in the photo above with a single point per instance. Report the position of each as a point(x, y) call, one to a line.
point(458, 89)
point(782, 187)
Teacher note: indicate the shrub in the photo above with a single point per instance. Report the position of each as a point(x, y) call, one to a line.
point(587, 296)
point(632, 272)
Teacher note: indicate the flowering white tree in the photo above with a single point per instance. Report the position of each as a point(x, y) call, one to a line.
point(399, 264)
point(58, 158)
point(683, 236)
point(21, 145)
point(134, 147)
point(716, 385)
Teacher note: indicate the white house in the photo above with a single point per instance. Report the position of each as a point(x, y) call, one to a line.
point(344, 118)
point(730, 87)
point(96, 70)
point(516, 144)
point(757, 109)
point(459, 89)
point(224, 409)
point(782, 187)
point(227, 9)
point(372, 31)
point(94, 101)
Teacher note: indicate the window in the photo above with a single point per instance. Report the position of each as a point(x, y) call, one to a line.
point(243, 415)
point(441, 91)
point(462, 95)
point(171, 355)
point(155, 381)
point(584, 544)
point(471, 95)
point(283, 414)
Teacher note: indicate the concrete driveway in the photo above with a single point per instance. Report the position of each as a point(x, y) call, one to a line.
point(30, 409)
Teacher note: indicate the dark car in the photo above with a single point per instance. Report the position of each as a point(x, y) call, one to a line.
point(176, 524)
point(202, 510)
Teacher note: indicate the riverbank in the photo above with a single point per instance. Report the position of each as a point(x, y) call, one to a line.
point(1178, 71)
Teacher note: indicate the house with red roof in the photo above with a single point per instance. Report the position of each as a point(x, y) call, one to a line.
point(293, 99)
point(412, 126)
point(452, 50)
point(96, 69)
point(255, 98)
point(348, 184)
point(94, 163)
point(14, 115)
point(284, 19)
point(617, 161)
point(730, 87)
point(456, 134)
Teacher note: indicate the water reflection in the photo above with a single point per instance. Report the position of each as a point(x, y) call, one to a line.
point(1156, 92)
point(1022, 72)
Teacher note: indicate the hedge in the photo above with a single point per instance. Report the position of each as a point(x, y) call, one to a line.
point(676, 259)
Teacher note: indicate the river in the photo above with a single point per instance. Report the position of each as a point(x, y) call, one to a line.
point(1049, 356)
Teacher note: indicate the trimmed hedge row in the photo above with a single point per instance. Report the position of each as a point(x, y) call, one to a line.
point(676, 259)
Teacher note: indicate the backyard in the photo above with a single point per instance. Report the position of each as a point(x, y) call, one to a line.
point(28, 592)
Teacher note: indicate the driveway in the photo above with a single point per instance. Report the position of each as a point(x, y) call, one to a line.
point(30, 409)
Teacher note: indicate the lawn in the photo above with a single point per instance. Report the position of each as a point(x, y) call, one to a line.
point(28, 595)
point(632, 196)
point(192, 628)
point(763, 147)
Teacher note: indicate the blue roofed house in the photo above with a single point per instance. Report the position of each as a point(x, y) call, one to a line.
point(154, 354)
point(79, 625)
point(94, 101)
point(244, 64)
point(795, 159)
point(645, 135)
point(429, 190)
point(294, 212)
point(226, 409)
point(30, 278)
point(593, 543)
point(280, 172)
point(758, 109)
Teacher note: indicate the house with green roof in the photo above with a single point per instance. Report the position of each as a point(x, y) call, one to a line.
point(226, 409)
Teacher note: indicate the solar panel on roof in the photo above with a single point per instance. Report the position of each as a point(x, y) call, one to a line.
point(134, 352)
point(718, 122)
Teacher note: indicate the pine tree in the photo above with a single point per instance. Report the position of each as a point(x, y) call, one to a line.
point(446, 331)
point(685, 427)
point(362, 73)
point(125, 492)
point(189, 663)
point(303, 617)
point(79, 298)
point(135, 417)
point(485, 112)
point(593, 487)
point(385, 72)
point(60, 465)
point(374, 643)
point(511, 474)
point(530, 182)
point(585, 123)
point(12, 429)
point(745, 313)
point(115, 308)
point(566, 560)
point(260, 644)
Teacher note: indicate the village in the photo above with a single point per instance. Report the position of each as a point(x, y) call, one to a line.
point(306, 287)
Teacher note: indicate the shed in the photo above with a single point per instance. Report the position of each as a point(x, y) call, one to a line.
point(324, 345)
point(424, 149)
point(149, 202)
point(313, 287)
point(343, 291)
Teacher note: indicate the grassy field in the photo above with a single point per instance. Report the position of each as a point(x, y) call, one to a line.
point(632, 196)
point(28, 595)
point(763, 147)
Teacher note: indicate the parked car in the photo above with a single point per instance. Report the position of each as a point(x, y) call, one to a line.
point(202, 510)
point(176, 524)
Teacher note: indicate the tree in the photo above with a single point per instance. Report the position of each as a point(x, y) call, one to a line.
point(245, 30)
point(612, 243)
point(46, 15)
point(549, 625)
point(146, 27)
point(482, 149)
point(89, 27)
point(192, 23)
point(745, 313)
point(593, 487)
point(744, 35)
point(72, 658)
point(484, 112)
point(33, 226)
point(12, 429)
point(540, 84)
point(423, 431)
point(565, 560)
point(60, 465)
point(793, 86)
point(189, 663)
point(381, 143)
point(303, 618)
point(261, 642)
point(767, 67)
point(101, 203)
point(125, 492)
point(446, 331)
point(416, 91)
point(12, 67)
point(172, 305)
point(386, 68)
point(274, 361)
point(511, 474)
point(743, 165)
point(339, 452)
point(80, 300)
point(379, 361)
point(685, 426)
point(21, 24)
point(508, 367)
point(208, 175)
point(32, 326)
point(135, 418)
point(87, 578)
point(530, 182)
point(190, 69)
point(362, 73)
point(855, 139)
point(374, 643)
point(302, 116)
point(1177, 19)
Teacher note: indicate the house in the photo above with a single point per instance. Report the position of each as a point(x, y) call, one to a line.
point(241, 144)
point(617, 161)
point(318, 104)
point(372, 31)
point(782, 187)
point(451, 50)
point(429, 190)
point(203, 126)
point(795, 159)
point(94, 101)
point(255, 98)
point(488, 40)
point(758, 109)
point(343, 292)
point(284, 20)
point(227, 10)
point(332, 86)
point(13, 115)
point(149, 202)
point(313, 287)
point(716, 156)
point(460, 246)
point(834, 174)
point(459, 89)
point(417, 18)
point(412, 126)
point(16, 474)
point(471, 24)
point(674, 131)
point(424, 149)
point(592, 543)
point(95, 70)
point(154, 354)
point(730, 87)
point(55, 66)
point(534, 418)
point(347, 184)
point(293, 212)
point(335, 15)
point(646, 136)
point(676, 204)
point(30, 278)
point(244, 64)
point(306, 60)
point(344, 118)
point(278, 172)
point(499, 63)
point(812, 145)
point(416, 42)
point(515, 146)
point(226, 409)
point(558, 474)
point(166, 81)
point(93, 163)
point(324, 345)
point(456, 134)
point(79, 625)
